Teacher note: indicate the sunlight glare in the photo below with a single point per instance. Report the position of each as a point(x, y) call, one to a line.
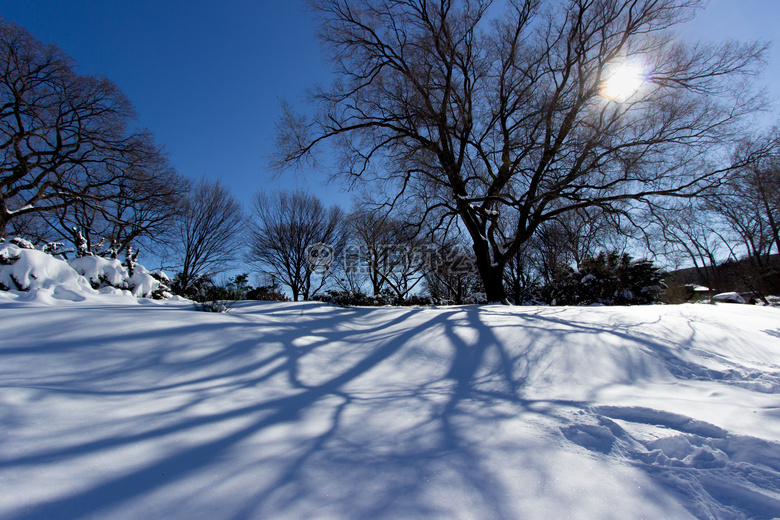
point(623, 83)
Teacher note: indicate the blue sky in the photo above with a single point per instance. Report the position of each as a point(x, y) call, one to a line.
point(206, 77)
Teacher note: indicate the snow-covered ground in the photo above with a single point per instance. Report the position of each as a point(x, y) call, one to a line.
point(116, 407)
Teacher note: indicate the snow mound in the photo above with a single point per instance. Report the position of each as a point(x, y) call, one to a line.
point(142, 284)
point(32, 271)
point(42, 277)
point(729, 297)
point(109, 272)
point(100, 271)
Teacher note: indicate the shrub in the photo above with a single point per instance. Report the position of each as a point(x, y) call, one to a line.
point(268, 293)
point(360, 299)
point(608, 279)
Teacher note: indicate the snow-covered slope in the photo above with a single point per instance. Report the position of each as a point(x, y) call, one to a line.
point(304, 410)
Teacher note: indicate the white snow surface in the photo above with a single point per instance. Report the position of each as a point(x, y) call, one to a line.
point(111, 409)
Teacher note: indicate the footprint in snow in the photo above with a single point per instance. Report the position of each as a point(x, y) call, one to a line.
point(718, 474)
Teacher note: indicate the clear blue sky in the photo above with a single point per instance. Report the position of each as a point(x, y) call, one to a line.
point(207, 76)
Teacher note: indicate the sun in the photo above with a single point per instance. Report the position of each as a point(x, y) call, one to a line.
point(623, 82)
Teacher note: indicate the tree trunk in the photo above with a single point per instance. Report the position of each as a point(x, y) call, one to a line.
point(492, 274)
point(4, 217)
point(493, 281)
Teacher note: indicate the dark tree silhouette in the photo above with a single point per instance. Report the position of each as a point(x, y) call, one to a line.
point(207, 234)
point(295, 237)
point(137, 210)
point(385, 253)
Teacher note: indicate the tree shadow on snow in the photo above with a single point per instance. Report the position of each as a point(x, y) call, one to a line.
point(301, 410)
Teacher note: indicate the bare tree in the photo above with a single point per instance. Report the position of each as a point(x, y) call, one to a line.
point(690, 233)
point(295, 237)
point(549, 246)
point(63, 137)
point(452, 276)
point(588, 231)
point(387, 253)
point(141, 208)
point(137, 210)
point(522, 277)
point(510, 123)
point(749, 199)
point(207, 233)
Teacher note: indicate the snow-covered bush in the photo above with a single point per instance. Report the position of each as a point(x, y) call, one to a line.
point(101, 272)
point(728, 297)
point(24, 268)
point(110, 272)
point(214, 306)
point(222, 299)
point(209, 296)
point(7, 257)
point(22, 243)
